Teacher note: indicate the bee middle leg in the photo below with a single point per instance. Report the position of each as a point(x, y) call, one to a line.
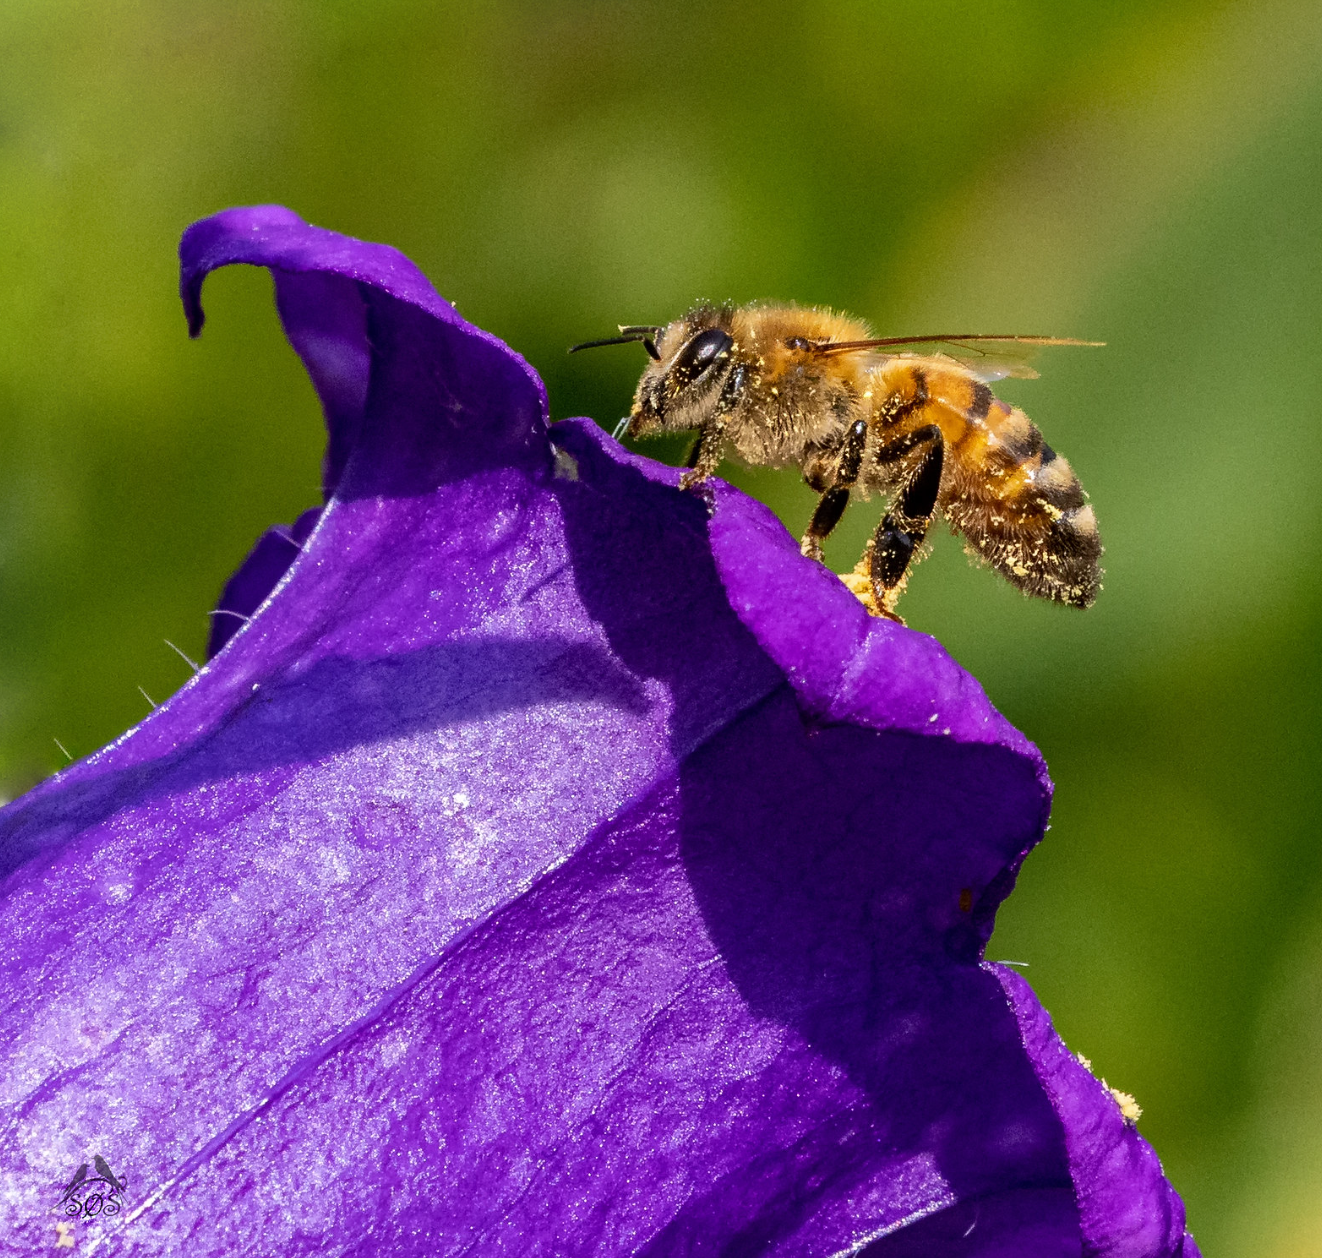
point(831, 505)
point(904, 526)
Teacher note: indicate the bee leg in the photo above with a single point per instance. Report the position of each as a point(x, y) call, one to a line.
point(831, 505)
point(705, 457)
point(904, 526)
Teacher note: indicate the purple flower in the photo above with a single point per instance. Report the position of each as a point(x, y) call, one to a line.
point(539, 867)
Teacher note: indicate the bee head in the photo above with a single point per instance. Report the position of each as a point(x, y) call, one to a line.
point(678, 390)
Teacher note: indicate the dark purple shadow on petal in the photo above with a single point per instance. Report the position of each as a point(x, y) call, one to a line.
point(325, 319)
point(830, 888)
point(420, 437)
point(618, 524)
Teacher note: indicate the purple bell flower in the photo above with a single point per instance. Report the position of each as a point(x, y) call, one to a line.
point(540, 866)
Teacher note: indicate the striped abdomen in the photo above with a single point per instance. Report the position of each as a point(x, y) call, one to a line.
point(1016, 501)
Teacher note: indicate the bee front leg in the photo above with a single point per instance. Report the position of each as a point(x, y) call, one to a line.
point(831, 505)
point(904, 526)
point(705, 457)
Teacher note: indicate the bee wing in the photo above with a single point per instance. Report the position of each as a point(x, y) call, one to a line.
point(985, 367)
point(989, 357)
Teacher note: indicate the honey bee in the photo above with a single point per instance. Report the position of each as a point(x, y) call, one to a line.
point(860, 415)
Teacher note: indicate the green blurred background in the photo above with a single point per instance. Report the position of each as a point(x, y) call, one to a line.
point(1142, 172)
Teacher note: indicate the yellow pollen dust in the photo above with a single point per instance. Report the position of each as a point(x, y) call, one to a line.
point(859, 584)
point(1130, 1110)
point(1129, 1107)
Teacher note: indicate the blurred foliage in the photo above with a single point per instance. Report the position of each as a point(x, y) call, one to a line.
point(1145, 173)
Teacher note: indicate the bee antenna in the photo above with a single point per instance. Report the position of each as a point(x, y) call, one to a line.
point(628, 335)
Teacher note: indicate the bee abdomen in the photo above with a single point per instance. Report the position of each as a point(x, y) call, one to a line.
point(1034, 526)
point(1064, 564)
point(1017, 502)
point(1055, 483)
point(1013, 433)
point(1072, 552)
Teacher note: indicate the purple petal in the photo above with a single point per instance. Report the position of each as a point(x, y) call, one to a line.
point(1125, 1204)
point(544, 868)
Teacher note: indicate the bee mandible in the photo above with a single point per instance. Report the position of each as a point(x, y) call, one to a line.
point(858, 414)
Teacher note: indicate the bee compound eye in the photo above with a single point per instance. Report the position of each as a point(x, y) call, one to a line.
point(703, 350)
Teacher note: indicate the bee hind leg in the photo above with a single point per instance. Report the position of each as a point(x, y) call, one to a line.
point(904, 526)
point(831, 505)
